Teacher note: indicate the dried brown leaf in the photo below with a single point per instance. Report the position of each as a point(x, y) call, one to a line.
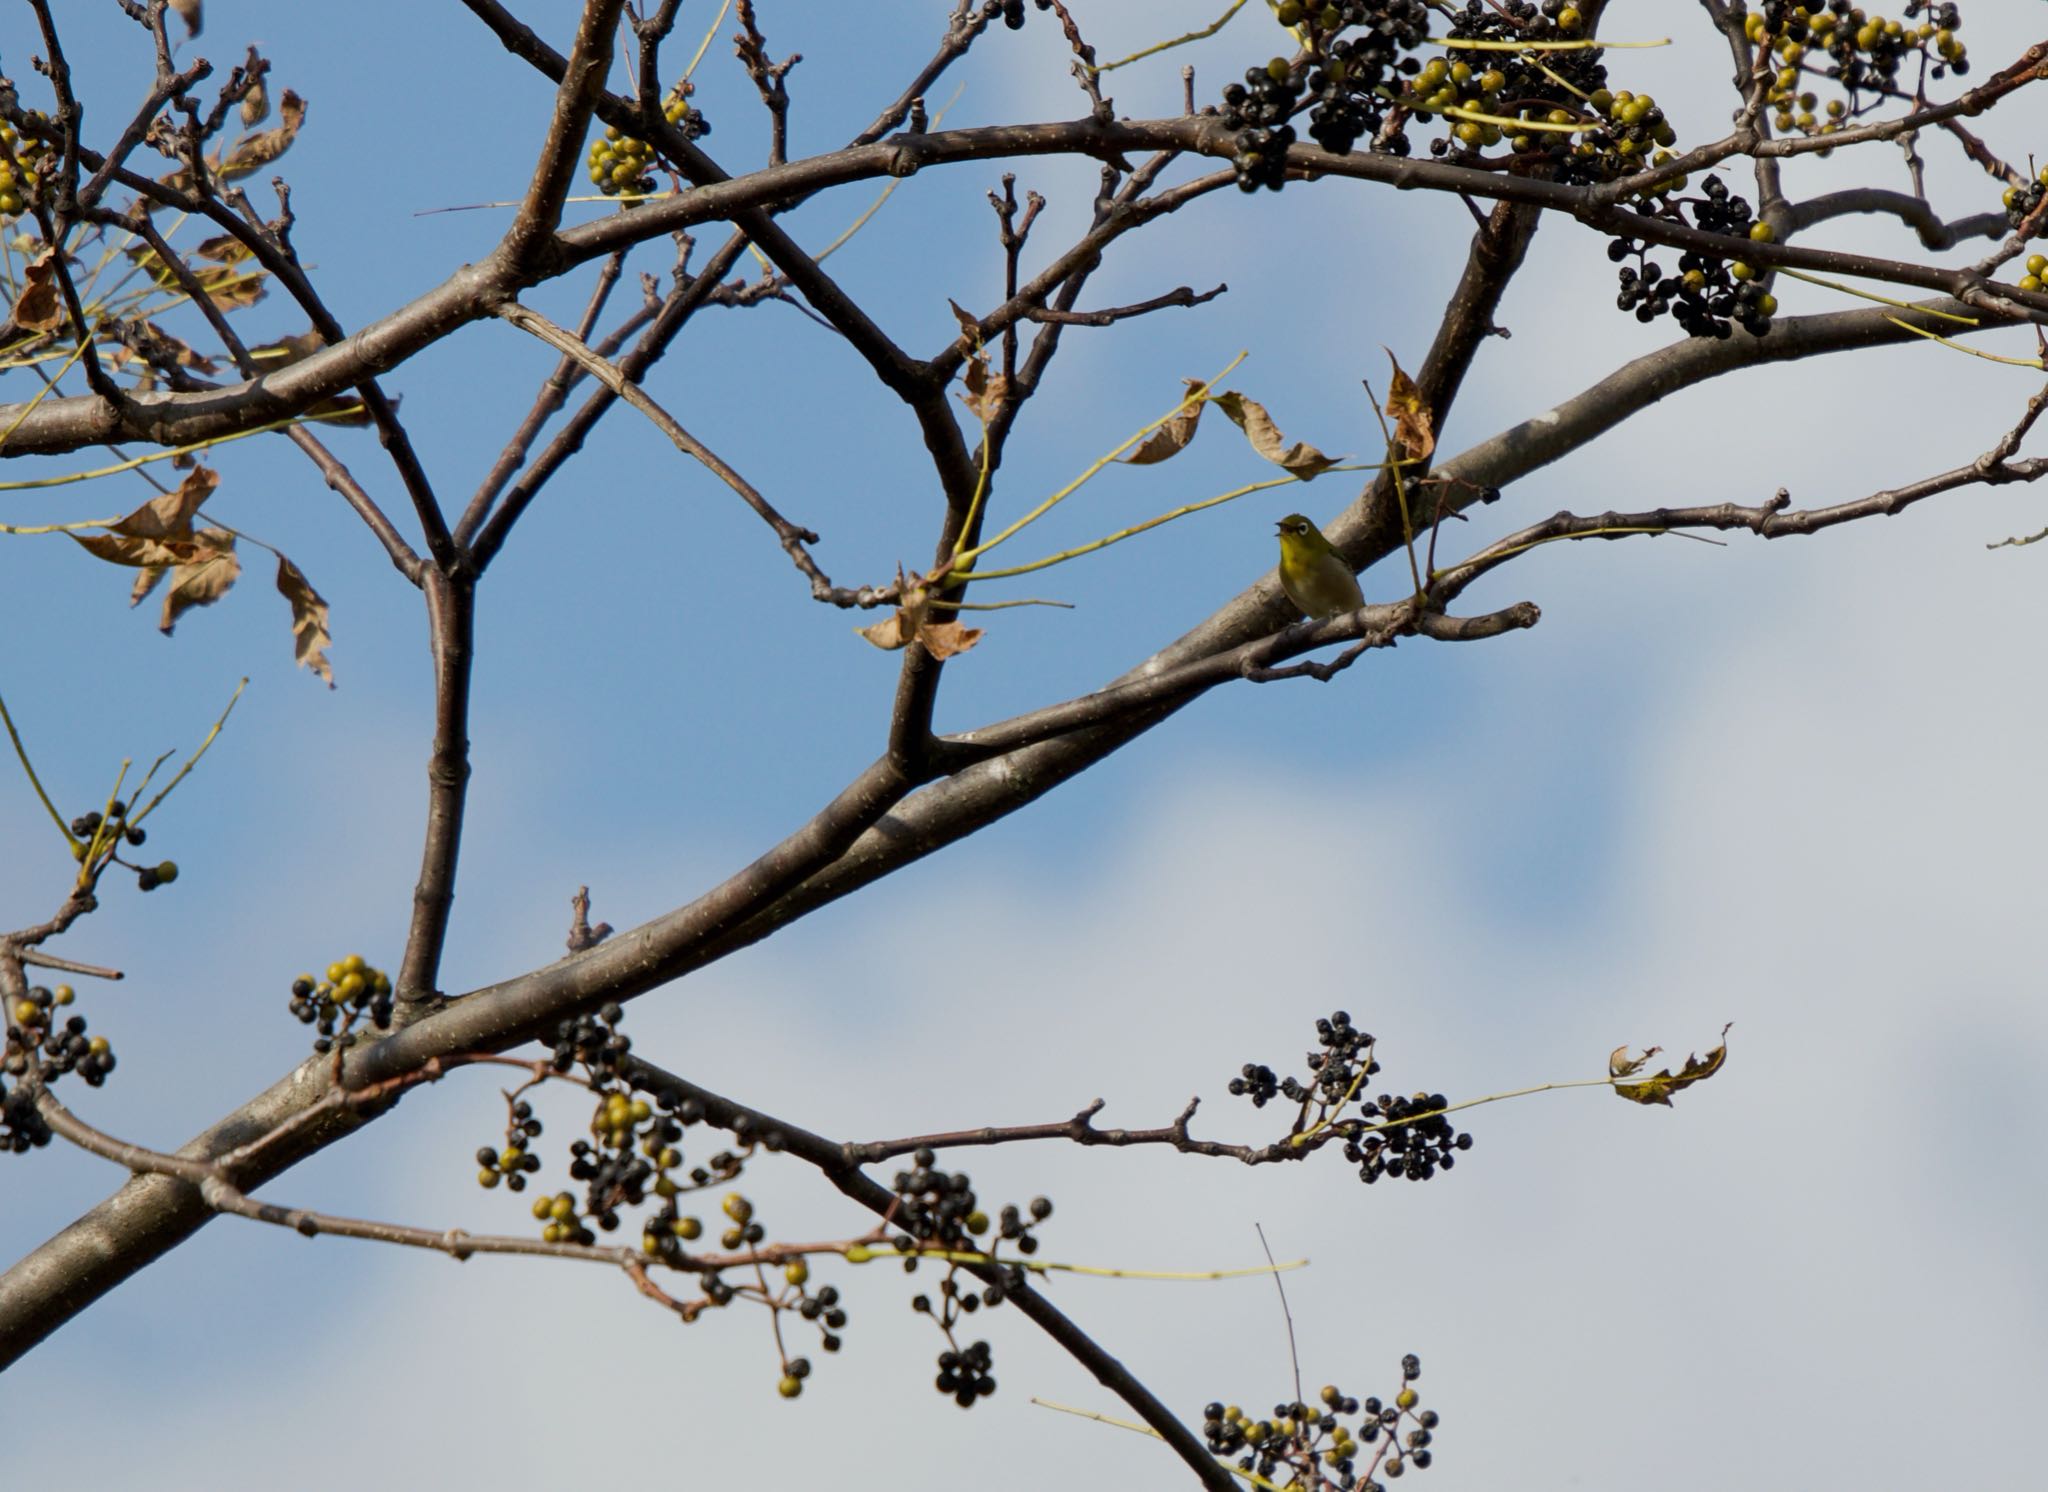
point(146, 581)
point(133, 552)
point(189, 11)
point(223, 248)
point(204, 578)
point(984, 391)
point(1658, 1089)
point(1414, 425)
point(231, 289)
point(39, 307)
point(889, 634)
point(1300, 458)
point(1621, 1065)
point(257, 151)
point(180, 353)
point(169, 515)
point(912, 622)
point(1171, 438)
point(255, 105)
point(310, 637)
point(944, 639)
point(970, 327)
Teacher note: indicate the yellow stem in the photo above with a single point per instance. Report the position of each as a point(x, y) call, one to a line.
point(21, 753)
point(1989, 357)
point(1195, 396)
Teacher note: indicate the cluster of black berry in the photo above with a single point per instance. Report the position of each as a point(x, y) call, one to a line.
point(619, 163)
point(1708, 294)
point(965, 1374)
point(1417, 1140)
point(97, 836)
point(1315, 1443)
point(1012, 11)
point(935, 1207)
point(821, 1306)
point(21, 1127)
point(594, 1042)
point(2022, 201)
point(332, 1006)
point(1258, 109)
point(1257, 1082)
point(1343, 1062)
point(39, 1045)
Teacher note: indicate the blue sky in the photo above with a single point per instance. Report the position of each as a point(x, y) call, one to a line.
point(1786, 785)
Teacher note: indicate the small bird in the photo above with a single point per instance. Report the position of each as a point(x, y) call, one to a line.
point(1313, 573)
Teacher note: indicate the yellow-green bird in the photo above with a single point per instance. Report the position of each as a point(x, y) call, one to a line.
point(1313, 573)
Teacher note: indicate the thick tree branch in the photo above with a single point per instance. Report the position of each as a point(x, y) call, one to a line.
point(174, 419)
point(582, 80)
point(451, 622)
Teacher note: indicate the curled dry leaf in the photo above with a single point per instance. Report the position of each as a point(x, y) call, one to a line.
point(190, 12)
point(256, 151)
point(1300, 458)
point(203, 578)
point(152, 344)
point(39, 307)
point(1659, 1088)
point(970, 327)
point(1171, 438)
point(169, 515)
point(310, 637)
point(984, 391)
point(1414, 425)
point(157, 540)
point(222, 248)
point(912, 622)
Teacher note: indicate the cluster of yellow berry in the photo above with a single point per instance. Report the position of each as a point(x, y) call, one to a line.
point(618, 163)
point(31, 1010)
point(1390, 1438)
point(1843, 44)
point(16, 174)
point(2037, 273)
point(351, 990)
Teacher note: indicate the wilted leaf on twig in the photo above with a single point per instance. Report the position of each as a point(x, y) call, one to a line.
point(1172, 437)
point(1300, 458)
point(188, 12)
point(231, 289)
point(984, 390)
point(203, 578)
point(202, 566)
point(310, 637)
point(970, 326)
point(260, 150)
point(169, 515)
point(39, 307)
point(178, 352)
point(1658, 1089)
point(912, 622)
point(1414, 425)
point(157, 539)
point(222, 248)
